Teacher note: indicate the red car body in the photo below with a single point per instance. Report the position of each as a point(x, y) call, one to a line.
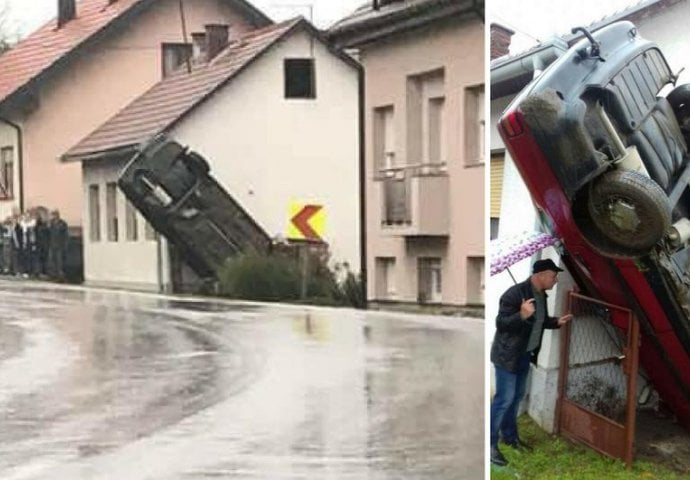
point(593, 74)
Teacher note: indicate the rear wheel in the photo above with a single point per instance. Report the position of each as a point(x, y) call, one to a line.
point(197, 163)
point(626, 214)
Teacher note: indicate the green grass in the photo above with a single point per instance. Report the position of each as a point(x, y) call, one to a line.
point(556, 458)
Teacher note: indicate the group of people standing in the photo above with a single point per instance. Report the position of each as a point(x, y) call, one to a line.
point(34, 243)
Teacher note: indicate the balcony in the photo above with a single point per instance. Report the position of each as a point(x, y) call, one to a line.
point(414, 200)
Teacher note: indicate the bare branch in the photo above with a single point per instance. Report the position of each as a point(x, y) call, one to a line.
point(7, 34)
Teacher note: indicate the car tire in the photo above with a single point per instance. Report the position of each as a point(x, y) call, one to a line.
point(197, 163)
point(627, 214)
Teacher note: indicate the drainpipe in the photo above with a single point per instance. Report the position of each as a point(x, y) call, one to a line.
point(362, 187)
point(537, 66)
point(20, 160)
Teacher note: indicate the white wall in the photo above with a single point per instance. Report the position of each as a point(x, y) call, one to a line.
point(122, 263)
point(269, 151)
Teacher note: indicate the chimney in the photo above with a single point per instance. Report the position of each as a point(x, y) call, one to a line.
point(216, 39)
point(199, 45)
point(67, 10)
point(500, 40)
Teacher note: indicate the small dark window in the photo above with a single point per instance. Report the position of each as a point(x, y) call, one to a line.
point(173, 55)
point(299, 78)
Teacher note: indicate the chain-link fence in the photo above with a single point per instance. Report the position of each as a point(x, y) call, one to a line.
point(595, 378)
point(598, 370)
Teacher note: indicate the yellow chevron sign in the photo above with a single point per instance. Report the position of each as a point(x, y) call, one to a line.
point(307, 221)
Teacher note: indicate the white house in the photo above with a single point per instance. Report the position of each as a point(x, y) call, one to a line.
point(268, 144)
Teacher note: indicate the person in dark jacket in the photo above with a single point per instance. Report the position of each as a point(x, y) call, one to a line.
point(42, 242)
point(520, 323)
point(57, 245)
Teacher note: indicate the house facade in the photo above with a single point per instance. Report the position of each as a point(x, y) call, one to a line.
point(424, 177)
point(66, 79)
point(268, 147)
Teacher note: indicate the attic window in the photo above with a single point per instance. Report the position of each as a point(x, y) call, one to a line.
point(173, 55)
point(299, 78)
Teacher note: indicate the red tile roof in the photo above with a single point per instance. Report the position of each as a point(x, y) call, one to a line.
point(49, 44)
point(171, 98)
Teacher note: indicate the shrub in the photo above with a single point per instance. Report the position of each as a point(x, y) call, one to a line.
point(262, 278)
point(278, 277)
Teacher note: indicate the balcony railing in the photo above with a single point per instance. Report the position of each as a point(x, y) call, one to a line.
point(411, 193)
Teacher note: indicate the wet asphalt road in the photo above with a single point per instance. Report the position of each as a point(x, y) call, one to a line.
point(108, 385)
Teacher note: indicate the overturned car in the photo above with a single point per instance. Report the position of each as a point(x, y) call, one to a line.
point(172, 188)
point(601, 141)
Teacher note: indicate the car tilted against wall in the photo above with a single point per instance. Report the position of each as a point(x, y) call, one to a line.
point(172, 188)
point(601, 141)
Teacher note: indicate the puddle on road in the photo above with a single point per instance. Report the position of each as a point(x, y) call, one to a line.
point(285, 394)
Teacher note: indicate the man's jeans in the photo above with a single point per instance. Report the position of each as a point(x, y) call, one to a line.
point(510, 388)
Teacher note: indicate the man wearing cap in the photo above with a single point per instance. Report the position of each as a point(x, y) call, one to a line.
point(522, 318)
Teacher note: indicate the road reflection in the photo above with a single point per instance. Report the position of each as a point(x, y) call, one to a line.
point(117, 385)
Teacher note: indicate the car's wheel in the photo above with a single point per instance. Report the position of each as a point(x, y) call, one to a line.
point(197, 163)
point(627, 214)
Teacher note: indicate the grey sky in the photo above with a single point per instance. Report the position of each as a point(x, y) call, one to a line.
point(28, 15)
point(541, 19)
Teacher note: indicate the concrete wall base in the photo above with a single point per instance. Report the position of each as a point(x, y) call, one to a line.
point(542, 396)
point(474, 311)
point(138, 287)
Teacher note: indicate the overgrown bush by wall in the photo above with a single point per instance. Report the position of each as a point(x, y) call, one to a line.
point(280, 277)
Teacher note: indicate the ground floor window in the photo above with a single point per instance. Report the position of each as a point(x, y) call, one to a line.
point(385, 278)
point(111, 211)
point(149, 232)
point(475, 281)
point(132, 230)
point(94, 214)
point(429, 280)
point(7, 172)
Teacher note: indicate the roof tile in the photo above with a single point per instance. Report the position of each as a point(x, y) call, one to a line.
point(48, 44)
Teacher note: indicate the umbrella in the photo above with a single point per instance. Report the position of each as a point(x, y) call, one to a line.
point(508, 251)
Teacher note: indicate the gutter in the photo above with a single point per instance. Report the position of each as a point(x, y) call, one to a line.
point(98, 155)
point(20, 160)
point(530, 63)
point(400, 20)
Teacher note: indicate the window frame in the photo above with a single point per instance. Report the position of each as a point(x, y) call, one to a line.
point(111, 216)
point(7, 178)
point(311, 95)
point(178, 47)
point(131, 222)
point(475, 125)
point(94, 213)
